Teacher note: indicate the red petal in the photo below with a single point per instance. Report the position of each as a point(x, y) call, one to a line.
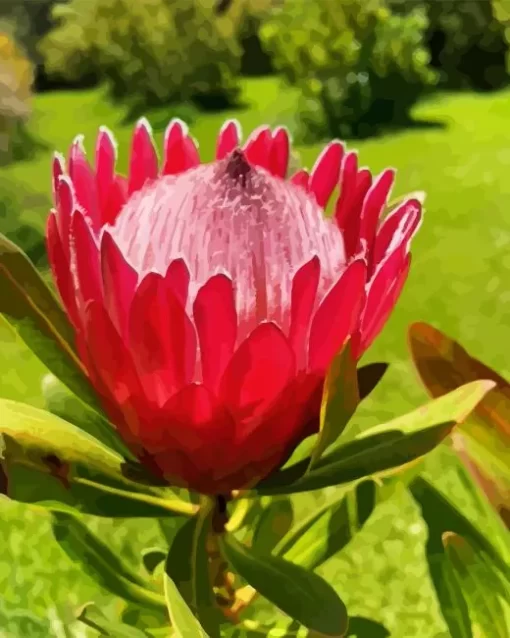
point(304, 291)
point(116, 200)
point(382, 296)
point(258, 147)
point(228, 138)
point(84, 183)
point(301, 178)
point(348, 180)
point(60, 268)
point(85, 261)
point(258, 373)
point(279, 159)
point(216, 321)
point(397, 229)
point(119, 283)
point(372, 208)
point(105, 169)
point(162, 339)
point(326, 172)
point(113, 365)
point(337, 316)
point(181, 153)
point(65, 198)
point(177, 277)
point(143, 165)
point(57, 172)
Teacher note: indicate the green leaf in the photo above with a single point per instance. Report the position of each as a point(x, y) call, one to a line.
point(94, 618)
point(274, 522)
point(60, 401)
point(44, 458)
point(382, 448)
point(329, 529)
point(443, 364)
point(100, 563)
point(486, 592)
point(369, 377)
point(153, 557)
point(187, 575)
point(340, 399)
point(34, 312)
point(297, 592)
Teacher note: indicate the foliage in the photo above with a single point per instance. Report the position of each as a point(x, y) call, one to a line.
point(466, 41)
point(15, 92)
point(357, 65)
point(150, 52)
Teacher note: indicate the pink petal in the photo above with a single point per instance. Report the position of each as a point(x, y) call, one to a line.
point(397, 229)
point(105, 169)
point(177, 277)
point(117, 197)
point(228, 138)
point(373, 206)
point(382, 296)
point(60, 268)
point(258, 147)
point(85, 261)
point(337, 316)
point(258, 373)
point(143, 165)
point(279, 160)
point(301, 178)
point(84, 183)
point(216, 321)
point(181, 152)
point(326, 172)
point(58, 170)
point(65, 199)
point(119, 283)
point(304, 291)
point(162, 339)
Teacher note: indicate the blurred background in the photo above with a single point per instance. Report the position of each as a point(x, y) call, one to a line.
point(421, 85)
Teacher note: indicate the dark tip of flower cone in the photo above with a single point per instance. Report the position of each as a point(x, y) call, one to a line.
point(237, 166)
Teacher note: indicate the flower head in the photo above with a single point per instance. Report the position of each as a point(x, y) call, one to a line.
point(208, 300)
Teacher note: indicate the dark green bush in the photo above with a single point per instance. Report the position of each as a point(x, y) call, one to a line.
point(466, 41)
point(358, 66)
point(150, 52)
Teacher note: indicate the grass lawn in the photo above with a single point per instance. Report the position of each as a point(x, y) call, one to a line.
point(459, 281)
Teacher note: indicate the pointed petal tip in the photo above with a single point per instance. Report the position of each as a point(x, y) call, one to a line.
point(144, 123)
point(79, 143)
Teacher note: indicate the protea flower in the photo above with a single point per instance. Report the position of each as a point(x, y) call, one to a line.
point(208, 300)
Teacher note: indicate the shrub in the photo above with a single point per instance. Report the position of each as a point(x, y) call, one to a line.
point(16, 79)
point(358, 66)
point(150, 52)
point(466, 41)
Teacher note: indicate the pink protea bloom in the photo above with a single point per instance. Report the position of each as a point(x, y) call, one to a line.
point(208, 300)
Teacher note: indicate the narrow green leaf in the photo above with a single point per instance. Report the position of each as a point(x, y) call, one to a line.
point(274, 522)
point(100, 563)
point(297, 592)
point(384, 447)
point(339, 401)
point(369, 377)
point(487, 595)
point(182, 618)
point(60, 401)
point(153, 557)
point(94, 618)
point(187, 567)
point(328, 530)
point(36, 315)
point(44, 458)
point(449, 593)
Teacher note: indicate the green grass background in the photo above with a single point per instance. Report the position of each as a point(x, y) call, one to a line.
point(459, 153)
